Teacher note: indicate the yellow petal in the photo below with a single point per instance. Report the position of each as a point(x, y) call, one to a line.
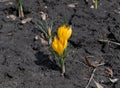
point(63, 42)
point(68, 32)
point(55, 44)
point(61, 31)
point(64, 32)
point(59, 45)
point(60, 48)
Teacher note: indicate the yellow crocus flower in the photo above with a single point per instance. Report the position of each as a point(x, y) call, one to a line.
point(60, 42)
point(64, 32)
point(59, 45)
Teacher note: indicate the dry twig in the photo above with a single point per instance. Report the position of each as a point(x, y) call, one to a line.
point(108, 41)
point(91, 77)
point(98, 85)
point(93, 64)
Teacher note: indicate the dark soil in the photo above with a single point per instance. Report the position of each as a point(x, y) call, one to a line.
point(26, 63)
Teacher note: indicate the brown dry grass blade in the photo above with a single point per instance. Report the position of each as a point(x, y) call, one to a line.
point(109, 72)
point(98, 85)
point(93, 64)
point(87, 62)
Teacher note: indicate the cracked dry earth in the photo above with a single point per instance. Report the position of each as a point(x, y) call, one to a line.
point(26, 63)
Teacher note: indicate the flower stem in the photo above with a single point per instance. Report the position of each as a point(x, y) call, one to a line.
point(62, 63)
point(63, 70)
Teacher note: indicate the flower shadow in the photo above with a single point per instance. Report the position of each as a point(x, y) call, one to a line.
point(45, 61)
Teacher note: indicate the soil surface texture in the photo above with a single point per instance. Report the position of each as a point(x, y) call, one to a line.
point(26, 62)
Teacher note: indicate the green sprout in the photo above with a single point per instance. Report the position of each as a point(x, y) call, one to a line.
point(20, 9)
point(96, 4)
point(46, 30)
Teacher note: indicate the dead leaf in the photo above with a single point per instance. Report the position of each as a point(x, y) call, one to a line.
point(43, 15)
point(98, 85)
point(42, 39)
point(109, 72)
point(13, 17)
point(73, 5)
point(9, 3)
point(113, 80)
point(26, 20)
point(93, 1)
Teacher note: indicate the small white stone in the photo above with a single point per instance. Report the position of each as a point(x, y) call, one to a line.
point(92, 6)
point(45, 7)
point(73, 5)
point(13, 17)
